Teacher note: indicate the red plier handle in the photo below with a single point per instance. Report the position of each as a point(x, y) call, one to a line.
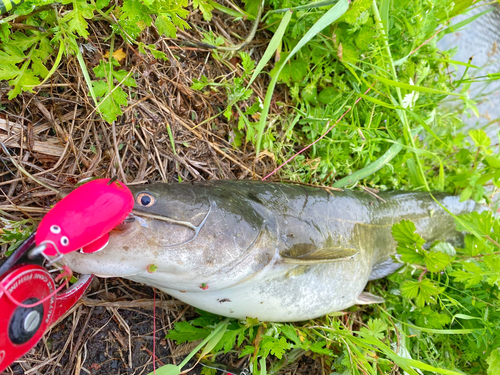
point(29, 303)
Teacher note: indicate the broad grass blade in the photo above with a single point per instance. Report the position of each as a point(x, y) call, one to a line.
point(455, 62)
point(454, 28)
point(377, 101)
point(409, 87)
point(209, 340)
point(376, 165)
point(328, 18)
point(86, 75)
point(385, 5)
point(230, 11)
point(317, 4)
point(273, 46)
point(422, 122)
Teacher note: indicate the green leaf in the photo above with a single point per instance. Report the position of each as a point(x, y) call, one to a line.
point(410, 243)
point(436, 261)
point(247, 62)
point(233, 13)
point(200, 84)
point(328, 95)
point(7, 59)
point(423, 291)
point(208, 371)
point(168, 370)
point(355, 10)
point(290, 333)
point(100, 88)
point(185, 332)
point(21, 41)
point(411, 255)
point(228, 340)
point(100, 4)
point(480, 223)
point(24, 82)
point(376, 328)
point(492, 262)
point(376, 165)
point(493, 362)
point(124, 77)
point(120, 96)
point(165, 26)
point(472, 274)
point(404, 233)
point(100, 70)
point(377, 101)
point(298, 69)
point(252, 6)
point(480, 138)
point(444, 247)
point(38, 68)
point(135, 16)
point(276, 347)
point(319, 347)
point(209, 340)
point(432, 319)
point(9, 71)
point(456, 26)
point(492, 161)
point(247, 350)
point(466, 193)
point(365, 37)
point(205, 8)
point(410, 289)
point(76, 19)
point(5, 31)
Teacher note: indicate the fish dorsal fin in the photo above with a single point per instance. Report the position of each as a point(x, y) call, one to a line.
point(323, 255)
point(366, 298)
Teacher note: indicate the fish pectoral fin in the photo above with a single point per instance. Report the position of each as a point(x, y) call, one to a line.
point(385, 268)
point(366, 298)
point(323, 255)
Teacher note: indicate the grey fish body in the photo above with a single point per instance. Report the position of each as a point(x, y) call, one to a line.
point(276, 252)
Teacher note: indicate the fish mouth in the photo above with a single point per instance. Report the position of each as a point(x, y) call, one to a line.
point(159, 228)
point(131, 218)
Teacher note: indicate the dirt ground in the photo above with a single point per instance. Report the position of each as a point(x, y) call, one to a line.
point(107, 333)
point(55, 139)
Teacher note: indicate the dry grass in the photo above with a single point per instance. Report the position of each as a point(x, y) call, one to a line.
point(55, 138)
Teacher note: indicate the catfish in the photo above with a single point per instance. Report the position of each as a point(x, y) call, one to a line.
point(272, 251)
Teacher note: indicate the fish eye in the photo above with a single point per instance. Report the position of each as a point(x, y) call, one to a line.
point(145, 199)
point(64, 241)
point(55, 229)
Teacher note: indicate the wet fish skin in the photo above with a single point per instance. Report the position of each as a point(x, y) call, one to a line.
point(276, 252)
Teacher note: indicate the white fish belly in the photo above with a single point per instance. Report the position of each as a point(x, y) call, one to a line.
point(282, 293)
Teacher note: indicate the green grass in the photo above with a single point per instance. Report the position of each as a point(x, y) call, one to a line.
point(438, 315)
point(442, 310)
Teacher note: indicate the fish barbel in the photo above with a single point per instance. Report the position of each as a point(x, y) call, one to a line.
point(276, 252)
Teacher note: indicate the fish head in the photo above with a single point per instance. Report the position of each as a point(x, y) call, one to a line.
point(130, 249)
point(183, 238)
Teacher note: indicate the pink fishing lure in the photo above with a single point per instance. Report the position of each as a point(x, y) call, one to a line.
point(84, 218)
